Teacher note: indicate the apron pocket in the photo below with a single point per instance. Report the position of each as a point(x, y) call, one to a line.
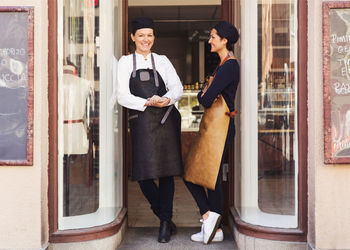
point(144, 76)
point(133, 117)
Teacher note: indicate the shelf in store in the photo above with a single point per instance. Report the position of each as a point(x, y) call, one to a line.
point(285, 110)
point(276, 131)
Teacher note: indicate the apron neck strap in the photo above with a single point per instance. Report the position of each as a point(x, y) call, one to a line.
point(153, 67)
point(226, 58)
point(155, 71)
point(134, 65)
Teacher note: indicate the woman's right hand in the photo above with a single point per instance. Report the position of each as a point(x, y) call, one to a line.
point(153, 100)
point(157, 101)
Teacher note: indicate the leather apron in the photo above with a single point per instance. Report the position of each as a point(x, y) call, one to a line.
point(202, 163)
point(155, 132)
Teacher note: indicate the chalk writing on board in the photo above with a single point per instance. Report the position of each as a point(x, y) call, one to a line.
point(340, 82)
point(13, 85)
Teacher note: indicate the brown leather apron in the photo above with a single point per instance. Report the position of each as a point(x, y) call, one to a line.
point(202, 162)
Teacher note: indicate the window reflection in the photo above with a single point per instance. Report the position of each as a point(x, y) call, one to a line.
point(80, 109)
point(276, 109)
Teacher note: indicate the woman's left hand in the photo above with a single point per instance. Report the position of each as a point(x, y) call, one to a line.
point(157, 101)
point(164, 101)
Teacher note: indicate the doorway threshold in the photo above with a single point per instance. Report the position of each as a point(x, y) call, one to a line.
point(137, 238)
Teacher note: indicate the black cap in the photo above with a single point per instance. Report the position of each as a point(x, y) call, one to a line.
point(141, 23)
point(228, 31)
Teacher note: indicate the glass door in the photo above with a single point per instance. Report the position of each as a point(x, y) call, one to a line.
point(89, 128)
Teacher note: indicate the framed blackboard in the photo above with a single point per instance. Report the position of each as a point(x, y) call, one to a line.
point(336, 81)
point(16, 85)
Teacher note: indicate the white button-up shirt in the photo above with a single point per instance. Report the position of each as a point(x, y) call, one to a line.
point(163, 67)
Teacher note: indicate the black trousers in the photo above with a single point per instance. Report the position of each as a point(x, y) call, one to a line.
point(160, 197)
point(213, 201)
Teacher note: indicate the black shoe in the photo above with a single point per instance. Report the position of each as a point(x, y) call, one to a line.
point(165, 231)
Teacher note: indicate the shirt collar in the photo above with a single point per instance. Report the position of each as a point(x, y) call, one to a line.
point(141, 56)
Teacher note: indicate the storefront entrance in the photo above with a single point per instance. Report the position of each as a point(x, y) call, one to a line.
point(181, 33)
point(263, 175)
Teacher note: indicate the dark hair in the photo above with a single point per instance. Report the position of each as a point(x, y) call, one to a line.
point(226, 30)
point(229, 46)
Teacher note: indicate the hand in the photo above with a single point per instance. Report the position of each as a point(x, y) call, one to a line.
point(157, 101)
point(152, 100)
point(162, 103)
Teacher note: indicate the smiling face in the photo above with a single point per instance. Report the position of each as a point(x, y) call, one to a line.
point(144, 39)
point(217, 43)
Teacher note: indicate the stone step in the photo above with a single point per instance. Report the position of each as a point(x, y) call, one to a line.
point(145, 238)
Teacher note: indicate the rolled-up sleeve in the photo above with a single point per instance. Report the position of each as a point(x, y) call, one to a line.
point(124, 97)
point(173, 83)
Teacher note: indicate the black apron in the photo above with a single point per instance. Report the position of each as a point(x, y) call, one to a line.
point(155, 132)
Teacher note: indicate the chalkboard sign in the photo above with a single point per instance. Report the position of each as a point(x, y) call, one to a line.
point(336, 81)
point(16, 85)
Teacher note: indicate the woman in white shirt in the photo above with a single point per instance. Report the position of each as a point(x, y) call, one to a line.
point(149, 86)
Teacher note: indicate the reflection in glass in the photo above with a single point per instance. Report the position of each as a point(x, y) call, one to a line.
point(80, 109)
point(89, 128)
point(277, 140)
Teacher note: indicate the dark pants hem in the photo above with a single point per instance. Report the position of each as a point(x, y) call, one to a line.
point(160, 197)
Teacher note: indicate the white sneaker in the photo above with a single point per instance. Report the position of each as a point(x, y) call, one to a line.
point(210, 225)
point(199, 237)
point(219, 236)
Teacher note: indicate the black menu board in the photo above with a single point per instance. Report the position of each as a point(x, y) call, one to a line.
point(16, 85)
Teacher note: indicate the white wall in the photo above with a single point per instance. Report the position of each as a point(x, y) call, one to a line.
point(329, 200)
point(23, 190)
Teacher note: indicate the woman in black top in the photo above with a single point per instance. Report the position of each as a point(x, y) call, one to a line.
point(225, 82)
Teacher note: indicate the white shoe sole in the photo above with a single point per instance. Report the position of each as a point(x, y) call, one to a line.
point(215, 239)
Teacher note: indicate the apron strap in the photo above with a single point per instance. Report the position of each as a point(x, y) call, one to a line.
point(166, 114)
point(157, 85)
point(134, 65)
point(154, 71)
